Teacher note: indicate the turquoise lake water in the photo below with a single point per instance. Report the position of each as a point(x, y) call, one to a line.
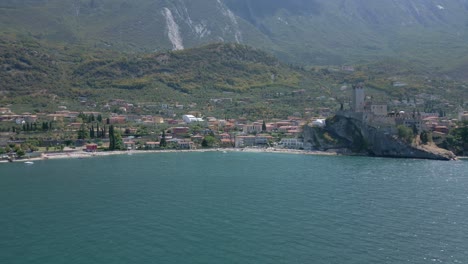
point(234, 208)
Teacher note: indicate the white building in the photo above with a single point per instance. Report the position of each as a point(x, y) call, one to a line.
point(252, 128)
point(190, 119)
point(292, 143)
point(244, 141)
point(460, 113)
point(319, 123)
point(250, 141)
point(5, 110)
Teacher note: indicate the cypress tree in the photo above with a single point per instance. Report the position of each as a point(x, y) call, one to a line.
point(98, 132)
point(111, 138)
point(91, 132)
point(163, 142)
point(118, 141)
point(82, 132)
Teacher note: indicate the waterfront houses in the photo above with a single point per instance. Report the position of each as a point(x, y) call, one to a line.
point(189, 130)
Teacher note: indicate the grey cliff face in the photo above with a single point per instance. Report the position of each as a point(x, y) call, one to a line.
point(360, 138)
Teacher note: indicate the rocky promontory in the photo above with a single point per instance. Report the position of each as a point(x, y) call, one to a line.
point(346, 134)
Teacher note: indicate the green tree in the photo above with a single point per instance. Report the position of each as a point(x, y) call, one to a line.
point(82, 133)
point(457, 140)
point(82, 116)
point(20, 153)
point(91, 132)
point(163, 142)
point(118, 141)
point(405, 133)
point(463, 132)
point(415, 129)
point(264, 128)
point(111, 138)
point(31, 144)
point(209, 141)
point(426, 137)
point(98, 132)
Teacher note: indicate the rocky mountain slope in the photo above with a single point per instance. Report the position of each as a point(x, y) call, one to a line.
point(300, 31)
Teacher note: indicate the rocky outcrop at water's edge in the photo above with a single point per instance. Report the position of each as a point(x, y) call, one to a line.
point(351, 135)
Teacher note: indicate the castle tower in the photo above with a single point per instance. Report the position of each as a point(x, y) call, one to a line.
point(358, 98)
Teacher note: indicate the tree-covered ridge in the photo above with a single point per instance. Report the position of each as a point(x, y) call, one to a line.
point(25, 67)
point(37, 76)
point(218, 66)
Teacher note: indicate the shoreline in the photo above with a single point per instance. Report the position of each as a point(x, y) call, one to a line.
point(80, 154)
point(83, 154)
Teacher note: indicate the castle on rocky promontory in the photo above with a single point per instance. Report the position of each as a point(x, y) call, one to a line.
point(368, 128)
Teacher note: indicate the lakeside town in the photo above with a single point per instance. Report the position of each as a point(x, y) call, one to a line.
point(28, 135)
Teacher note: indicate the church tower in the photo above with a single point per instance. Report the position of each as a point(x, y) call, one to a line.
point(358, 98)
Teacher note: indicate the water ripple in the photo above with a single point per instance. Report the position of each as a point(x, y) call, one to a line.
point(234, 208)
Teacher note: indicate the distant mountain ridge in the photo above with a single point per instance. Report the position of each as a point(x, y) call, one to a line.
point(298, 31)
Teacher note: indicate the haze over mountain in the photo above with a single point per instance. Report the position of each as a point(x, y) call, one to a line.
point(298, 31)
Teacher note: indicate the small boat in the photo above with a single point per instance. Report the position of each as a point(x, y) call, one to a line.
point(29, 163)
